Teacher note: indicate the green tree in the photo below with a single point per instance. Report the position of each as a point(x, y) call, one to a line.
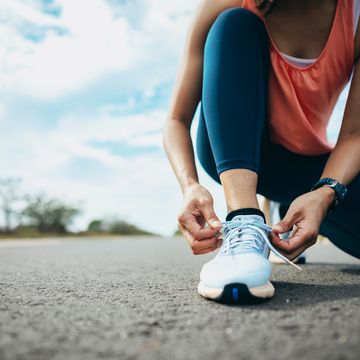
point(124, 228)
point(49, 215)
point(116, 227)
point(96, 226)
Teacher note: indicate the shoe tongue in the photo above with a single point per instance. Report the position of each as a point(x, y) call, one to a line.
point(248, 217)
point(248, 243)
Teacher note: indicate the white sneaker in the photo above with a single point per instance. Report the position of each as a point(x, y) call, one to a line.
point(240, 271)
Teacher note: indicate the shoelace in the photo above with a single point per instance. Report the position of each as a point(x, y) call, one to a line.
point(248, 237)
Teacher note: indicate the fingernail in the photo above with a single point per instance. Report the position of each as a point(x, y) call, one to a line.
point(216, 223)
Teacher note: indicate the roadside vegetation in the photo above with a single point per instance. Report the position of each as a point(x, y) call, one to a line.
point(38, 215)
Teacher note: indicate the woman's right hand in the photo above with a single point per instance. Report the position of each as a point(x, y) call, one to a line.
point(197, 212)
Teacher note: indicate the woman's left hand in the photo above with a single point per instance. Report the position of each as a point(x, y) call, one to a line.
point(305, 213)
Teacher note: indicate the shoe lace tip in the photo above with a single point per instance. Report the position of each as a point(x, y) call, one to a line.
point(296, 266)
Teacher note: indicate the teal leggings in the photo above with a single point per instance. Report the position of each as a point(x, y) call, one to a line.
point(233, 131)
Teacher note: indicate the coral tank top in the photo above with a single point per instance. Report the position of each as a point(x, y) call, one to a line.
point(301, 99)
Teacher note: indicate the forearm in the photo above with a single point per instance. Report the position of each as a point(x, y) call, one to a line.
point(344, 161)
point(179, 150)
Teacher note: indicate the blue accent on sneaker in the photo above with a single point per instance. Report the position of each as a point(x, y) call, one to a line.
point(235, 294)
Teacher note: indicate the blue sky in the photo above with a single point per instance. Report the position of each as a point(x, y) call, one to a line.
point(85, 88)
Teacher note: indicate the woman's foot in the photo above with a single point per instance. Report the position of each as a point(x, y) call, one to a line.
point(240, 272)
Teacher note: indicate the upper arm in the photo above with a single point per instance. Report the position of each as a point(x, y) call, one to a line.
point(187, 90)
point(351, 120)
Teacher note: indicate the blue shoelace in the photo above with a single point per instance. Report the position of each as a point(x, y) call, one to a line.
point(248, 234)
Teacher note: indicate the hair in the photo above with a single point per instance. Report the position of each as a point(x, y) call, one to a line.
point(265, 5)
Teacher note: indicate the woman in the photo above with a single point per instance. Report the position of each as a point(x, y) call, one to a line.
point(268, 76)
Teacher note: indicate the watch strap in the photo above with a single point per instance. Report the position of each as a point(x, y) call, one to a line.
point(340, 190)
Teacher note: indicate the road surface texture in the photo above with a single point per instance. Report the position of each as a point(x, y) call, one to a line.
point(135, 298)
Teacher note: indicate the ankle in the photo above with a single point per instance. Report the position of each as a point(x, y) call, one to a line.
point(245, 211)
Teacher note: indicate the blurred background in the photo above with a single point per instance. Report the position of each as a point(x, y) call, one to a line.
point(85, 88)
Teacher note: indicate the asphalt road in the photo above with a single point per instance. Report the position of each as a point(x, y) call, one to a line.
point(135, 298)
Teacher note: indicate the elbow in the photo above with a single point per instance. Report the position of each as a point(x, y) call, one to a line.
point(164, 136)
point(166, 133)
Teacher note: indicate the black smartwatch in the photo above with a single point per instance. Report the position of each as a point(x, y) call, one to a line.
point(340, 191)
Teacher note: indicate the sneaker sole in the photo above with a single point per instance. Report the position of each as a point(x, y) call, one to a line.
point(238, 293)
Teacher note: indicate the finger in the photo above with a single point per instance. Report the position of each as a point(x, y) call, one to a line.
point(203, 244)
point(205, 251)
point(189, 222)
point(210, 216)
point(275, 239)
point(283, 246)
point(300, 239)
point(291, 256)
point(298, 252)
point(286, 223)
point(188, 237)
point(295, 254)
point(279, 243)
point(191, 241)
point(300, 242)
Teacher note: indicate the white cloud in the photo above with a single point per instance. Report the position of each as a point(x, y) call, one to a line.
point(75, 136)
point(94, 43)
point(107, 125)
point(139, 187)
point(75, 158)
point(19, 10)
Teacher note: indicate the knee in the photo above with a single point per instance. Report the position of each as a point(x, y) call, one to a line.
point(239, 19)
point(236, 26)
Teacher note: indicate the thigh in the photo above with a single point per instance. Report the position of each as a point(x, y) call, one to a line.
point(285, 175)
point(342, 226)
